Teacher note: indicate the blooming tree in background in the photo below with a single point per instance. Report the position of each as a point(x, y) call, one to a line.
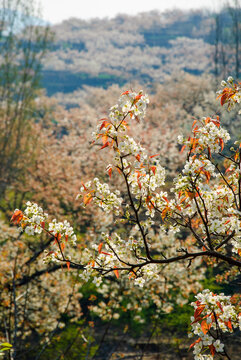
point(204, 202)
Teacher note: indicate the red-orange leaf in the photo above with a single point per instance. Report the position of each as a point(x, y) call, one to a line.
point(110, 172)
point(152, 156)
point(223, 99)
point(125, 93)
point(105, 253)
point(219, 305)
point(212, 349)
point(104, 124)
point(105, 145)
point(100, 247)
point(198, 311)
point(68, 264)
point(221, 143)
point(209, 152)
point(84, 186)
point(182, 149)
point(195, 342)
point(153, 168)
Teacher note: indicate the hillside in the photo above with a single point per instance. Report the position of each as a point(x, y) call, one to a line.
point(147, 48)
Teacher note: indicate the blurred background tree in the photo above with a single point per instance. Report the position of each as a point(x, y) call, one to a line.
point(24, 40)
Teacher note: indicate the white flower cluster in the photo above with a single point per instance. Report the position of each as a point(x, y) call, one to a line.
point(52, 257)
point(133, 103)
point(195, 170)
point(130, 103)
point(35, 218)
point(129, 146)
point(210, 135)
point(144, 183)
point(102, 196)
point(34, 221)
point(64, 229)
point(192, 167)
point(215, 312)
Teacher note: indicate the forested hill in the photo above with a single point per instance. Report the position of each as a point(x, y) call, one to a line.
point(147, 47)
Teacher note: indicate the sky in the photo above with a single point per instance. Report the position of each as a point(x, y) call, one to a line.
point(56, 11)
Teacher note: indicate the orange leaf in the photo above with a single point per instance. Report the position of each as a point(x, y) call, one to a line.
point(116, 273)
point(138, 97)
point(87, 198)
point(131, 275)
point(204, 326)
point(17, 217)
point(126, 92)
point(221, 143)
point(138, 157)
point(195, 342)
point(104, 138)
point(164, 212)
point(100, 247)
point(194, 122)
point(58, 236)
point(182, 149)
point(229, 325)
point(68, 264)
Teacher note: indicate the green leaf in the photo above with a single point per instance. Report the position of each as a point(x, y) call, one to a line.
point(6, 344)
